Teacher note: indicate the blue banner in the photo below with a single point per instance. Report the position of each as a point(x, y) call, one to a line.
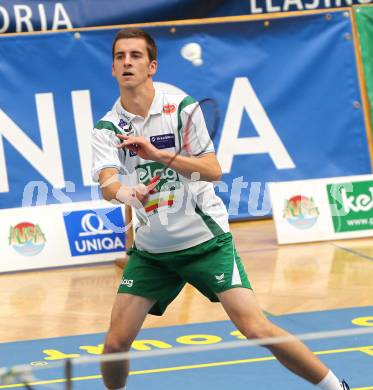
point(288, 91)
point(35, 15)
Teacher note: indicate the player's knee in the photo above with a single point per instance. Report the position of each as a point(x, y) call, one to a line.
point(115, 344)
point(257, 329)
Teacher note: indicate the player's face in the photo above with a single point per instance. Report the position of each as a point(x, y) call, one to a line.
point(131, 65)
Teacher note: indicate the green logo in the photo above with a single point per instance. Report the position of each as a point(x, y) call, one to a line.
point(351, 205)
point(169, 181)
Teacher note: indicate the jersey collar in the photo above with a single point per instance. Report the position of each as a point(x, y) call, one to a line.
point(155, 108)
point(157, 104)
point(122, 113)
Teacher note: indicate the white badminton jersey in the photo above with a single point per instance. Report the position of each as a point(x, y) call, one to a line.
point(182, 212)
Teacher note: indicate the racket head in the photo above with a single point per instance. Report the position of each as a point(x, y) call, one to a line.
point(200, 129)
point(200, 123)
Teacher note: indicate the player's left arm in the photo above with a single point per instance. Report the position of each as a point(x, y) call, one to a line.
point(206, 165)
point(198, 143)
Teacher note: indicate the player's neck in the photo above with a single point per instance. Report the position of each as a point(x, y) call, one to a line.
point(138, 100)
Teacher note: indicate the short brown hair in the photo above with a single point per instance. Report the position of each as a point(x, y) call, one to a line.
point(133, 32)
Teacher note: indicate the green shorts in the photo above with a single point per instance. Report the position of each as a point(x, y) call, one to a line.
point(212, 267)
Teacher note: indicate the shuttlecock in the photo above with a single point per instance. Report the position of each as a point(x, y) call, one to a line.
point(192, 52)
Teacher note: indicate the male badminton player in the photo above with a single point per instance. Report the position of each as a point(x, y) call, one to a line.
point(177, 241)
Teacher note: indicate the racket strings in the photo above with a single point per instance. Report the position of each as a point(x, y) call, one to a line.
point(197, 134)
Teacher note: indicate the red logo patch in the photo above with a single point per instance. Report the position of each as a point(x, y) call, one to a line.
point(169, 108)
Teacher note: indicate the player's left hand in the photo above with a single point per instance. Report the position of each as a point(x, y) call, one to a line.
point(139, 145)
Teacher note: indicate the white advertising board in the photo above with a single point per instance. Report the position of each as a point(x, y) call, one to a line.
point(60, 235)
point(323, 209)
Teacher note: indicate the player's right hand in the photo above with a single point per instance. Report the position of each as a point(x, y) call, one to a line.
point(135, 196)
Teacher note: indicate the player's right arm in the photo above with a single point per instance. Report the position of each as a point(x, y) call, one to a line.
point(113, 190)
point(108, 163)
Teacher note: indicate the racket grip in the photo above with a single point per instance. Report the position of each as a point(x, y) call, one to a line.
point(152, 183)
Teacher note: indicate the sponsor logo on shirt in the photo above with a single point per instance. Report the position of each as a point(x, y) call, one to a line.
point(125, 126)
point(163, 141)
point(163, 195)
point(146, 172)
point(122, 124)
point(169, 109)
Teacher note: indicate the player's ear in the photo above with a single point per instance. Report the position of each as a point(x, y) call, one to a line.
point(153, 67)
point(112, 70)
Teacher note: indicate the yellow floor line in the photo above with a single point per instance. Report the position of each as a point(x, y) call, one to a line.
point(363, 349)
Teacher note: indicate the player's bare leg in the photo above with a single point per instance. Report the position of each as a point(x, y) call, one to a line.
point(243, 309)
point(127, 317)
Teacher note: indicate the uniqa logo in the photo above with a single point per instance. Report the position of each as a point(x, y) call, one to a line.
point(93, 226)
point(301, 212)
point(27, 239)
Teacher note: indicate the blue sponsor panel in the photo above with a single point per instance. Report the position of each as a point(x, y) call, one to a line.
point(288, 92)
point(255, 7)
point(96, 231)
point(32, 15)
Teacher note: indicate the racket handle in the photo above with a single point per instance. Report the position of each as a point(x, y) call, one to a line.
point(152, 183)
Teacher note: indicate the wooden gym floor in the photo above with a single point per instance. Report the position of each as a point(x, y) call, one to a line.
point(286, 279)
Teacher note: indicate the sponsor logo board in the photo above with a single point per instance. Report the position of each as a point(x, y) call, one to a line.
point(351, 205)
point(300, 211)
point(95, 231)
point(323, 209)
point(27, 238)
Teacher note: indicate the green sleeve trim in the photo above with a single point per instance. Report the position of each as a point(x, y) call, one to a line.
point(215, 229)
point(184, 103)
point(106, 125)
